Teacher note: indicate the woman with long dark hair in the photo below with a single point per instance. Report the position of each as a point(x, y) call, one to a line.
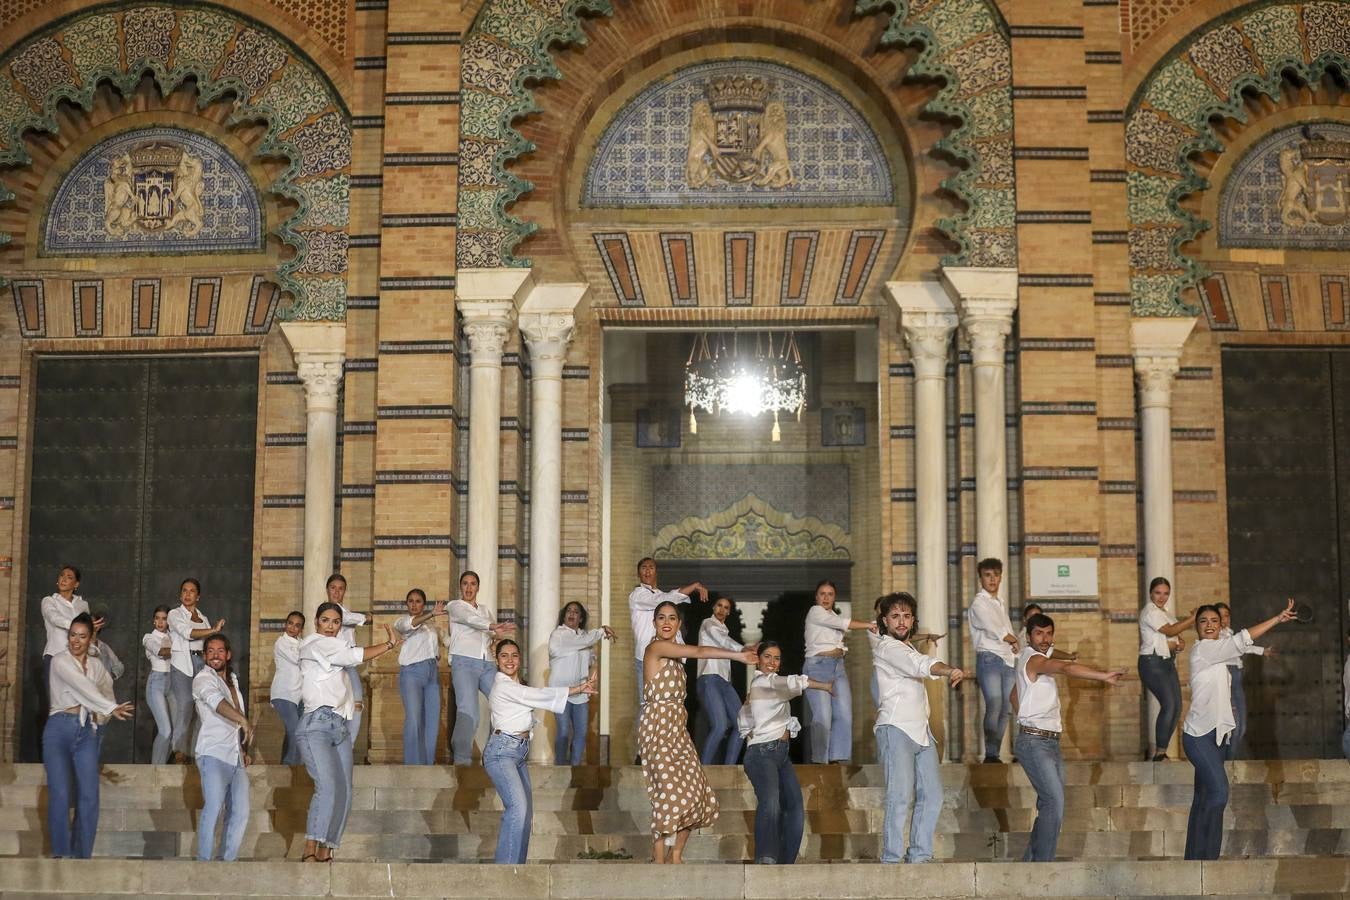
point(158, 648)
point(286, 691)
point(473, 628)
point(506, 755)
point(717, 696)
point(419, 678)
point(571, 661)
point(1159, 639)
point(188, 626)
point(829, 726)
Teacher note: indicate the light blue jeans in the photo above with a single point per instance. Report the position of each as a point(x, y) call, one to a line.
point(358, 695)
point(419, 685)
point(912, 776)
point(70, 757)
point(830, 717)
point(504, 758)
point(223, 786)
point(326, 746)
point(289, 712)
point(181, 709)
point(468, 676)
point(996, 679)
point(720, 704)
point(569, 745)
point(157, 698)
point(1041, 760)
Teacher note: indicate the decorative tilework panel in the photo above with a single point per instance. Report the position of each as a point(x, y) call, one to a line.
point(231, 211)
point(644, 156)
point(1262, 206)
point(819, 491)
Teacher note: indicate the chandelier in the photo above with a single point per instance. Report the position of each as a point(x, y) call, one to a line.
point(719, 379)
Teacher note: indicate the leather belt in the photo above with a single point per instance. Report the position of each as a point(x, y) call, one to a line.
point(1038, 732)
point(519, 735)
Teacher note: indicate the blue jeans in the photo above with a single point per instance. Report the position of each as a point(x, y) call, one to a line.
point(223, 785)
point(326, 746)
point(359, 695)
point(912, 776)
point(70, 758)
point(1345, 742)
point(419, 685)
point(1204, 829)
point(778, 803)
point(830, 717)
point(1239, 712)
point(1041, 760)
point(289, 712)
point(996, 679)
point(468, 676)
point(181, 708)
point(157, 698)
point(719, 702)
point(1160, 677)
point(569, 745)
point(504, 758)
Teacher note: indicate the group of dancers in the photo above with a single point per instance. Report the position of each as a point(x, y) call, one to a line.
point(317, 694)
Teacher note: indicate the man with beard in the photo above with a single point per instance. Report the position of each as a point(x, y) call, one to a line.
point(905, 745)
point(221, 752)
point(1035, 701)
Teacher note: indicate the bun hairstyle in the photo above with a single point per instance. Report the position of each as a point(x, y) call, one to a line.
point(663, 604)
point(325, 607)
point(1158, 581)
point(192, 581)
point(82, 619)
point(336, 576)
point(1201, 610)
point(158, 610)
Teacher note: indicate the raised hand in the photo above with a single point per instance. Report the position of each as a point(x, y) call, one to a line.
point(1287, 614)
point(439, 608)
point(748, 656)
point(220, 626)
point(394, 637)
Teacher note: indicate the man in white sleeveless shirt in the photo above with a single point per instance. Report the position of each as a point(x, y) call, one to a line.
point(1035, 700)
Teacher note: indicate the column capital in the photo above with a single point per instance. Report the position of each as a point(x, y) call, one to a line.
point(319, 350)
point(547, 335)
point(1157, 344)
point(927, 318)
point(487, 325)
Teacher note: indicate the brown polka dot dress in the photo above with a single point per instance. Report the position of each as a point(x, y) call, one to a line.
point(676, 786)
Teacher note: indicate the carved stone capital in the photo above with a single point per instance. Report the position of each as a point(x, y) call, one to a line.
point(928, 336)
point(1157, 344)
point(547, 335)
point(988, 337)
point(1155, 375)
point(321, 374)
point(487, 325)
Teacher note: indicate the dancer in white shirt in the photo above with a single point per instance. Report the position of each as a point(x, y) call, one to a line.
point(768, 726)
point(58, 611)
point(336, 588)
point(829, 721)
point(473, 629)
point(324, 734)
point(286, 689)
point(1035, 700)
point(158, 649)
point(996, 647)
point(188, 626)
point(1235, 676)
point(419, 678)
point(642, 602)
point(1159, 639)
point(507, 753)
point(81, 701)
point(905, 744)
point(1034, 609)
point(1210, 722)
point(221, 751)
point(572, 660)
point(717, 696)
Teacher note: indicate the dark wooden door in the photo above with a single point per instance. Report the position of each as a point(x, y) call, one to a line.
point(142, 475)
point(1287, 443)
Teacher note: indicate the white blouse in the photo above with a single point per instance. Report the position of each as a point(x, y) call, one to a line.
point(1153, 642)
point(1253, 650)
point(217, 736)
point(570, 655)
point(901, 671)
point(153, 642)
point(90, 688)
point(183, 646)
point(825, 630)
point(324, 682)
point(989, 624)
point(419, 644)
point(713, 633)
point(57, 614)
point(470, 633)
point(286, 682)
point(765, 715)
point(512, 703)
point(350, 622)
point(642, 603)
point(1211, 685)
point(1037, 701)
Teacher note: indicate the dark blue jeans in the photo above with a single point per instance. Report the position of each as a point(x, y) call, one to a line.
point(718, 699)
point(1204, 830)
point(1160, 678)
point(778, 803)
point(1239, 712)
point(1042, 761)
point(70, 757)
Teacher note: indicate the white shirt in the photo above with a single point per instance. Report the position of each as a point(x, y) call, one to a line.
point(57, 614)
point(350, 622)
point(903, 700)
point(419, 644)
point(153, 642)
point(570, 655)
point(470, 630)
point(323, 675)
point(713, 633)
point(1153, 642)
point(1253, 650)
point(1211, 685)
point(217, 736)
point(989, 624)
point(642, 602)
point(765, 715)
point(89, 688)
point(109, 658)
point(183, 646)
point(286, 672)
point(512, 703)
point(1037, 701)
point(825, 630)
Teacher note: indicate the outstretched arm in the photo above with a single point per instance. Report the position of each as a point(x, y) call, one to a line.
point(1039, 665)
point(1285, 615)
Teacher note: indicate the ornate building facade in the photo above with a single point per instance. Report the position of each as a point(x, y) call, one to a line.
point(400, 288)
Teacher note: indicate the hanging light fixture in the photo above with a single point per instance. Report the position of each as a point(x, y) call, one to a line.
point(718, 380)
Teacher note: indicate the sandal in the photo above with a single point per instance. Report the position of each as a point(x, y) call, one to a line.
point(309, 856)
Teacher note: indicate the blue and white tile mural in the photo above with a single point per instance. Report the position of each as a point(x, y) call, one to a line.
point(1291, 190)
point(739, 133)
point(154, 191)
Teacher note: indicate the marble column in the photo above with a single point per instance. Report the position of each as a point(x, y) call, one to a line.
point(1157, 344)
point(319, 349)
point(547, 335)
